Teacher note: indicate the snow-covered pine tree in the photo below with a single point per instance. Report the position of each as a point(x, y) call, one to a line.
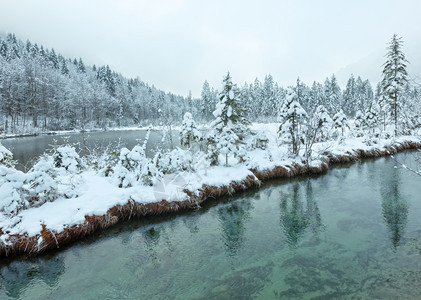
point(3, 49)
point(292, 118)
point(303, 94)
point(63, 66)
point(409, 118)
point(371, 119)
point(81, 66)
point(205, 101)
point(316, 97)
point(358, 124)
point(54, 60)
point(366, 97)
point(349, 97)
point(323, 122)
point(340, 121)
point(394, 77)
point(230, 127)
point(333, 95)
point(256, 93)
point(380, 104)
point(189, 132)
point(228, 142)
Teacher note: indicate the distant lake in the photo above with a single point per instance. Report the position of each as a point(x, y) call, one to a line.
point(354, 233)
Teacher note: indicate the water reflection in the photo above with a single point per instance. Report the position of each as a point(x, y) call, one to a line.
point(297, 216)
point(394, 205)
point(16, 276)
point(232, 218)
point(236, 248)
point(152, 237)
point(192, 223)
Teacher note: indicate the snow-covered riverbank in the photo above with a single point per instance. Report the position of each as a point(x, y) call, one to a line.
point(64, 198)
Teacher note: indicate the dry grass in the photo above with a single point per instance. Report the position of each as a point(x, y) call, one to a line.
point(29, 246)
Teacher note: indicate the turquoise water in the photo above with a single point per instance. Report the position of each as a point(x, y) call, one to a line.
point(354, 233)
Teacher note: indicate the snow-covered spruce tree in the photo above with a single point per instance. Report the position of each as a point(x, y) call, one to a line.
point(394, 77)
point(292, 118)
point(319, 129)
point(189, 132)
point(349, 97)
point(323, 122)
point(230, 127)
point(209, 98)
point(371, 119)
point(340, 121)
point(316, 97)
point(358, 124)
point(41, 181)
point(333, 95)
point(409, 116)
point(303, 94)
point(380, 102)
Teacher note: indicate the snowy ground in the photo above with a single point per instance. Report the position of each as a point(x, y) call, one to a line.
point(87, 192)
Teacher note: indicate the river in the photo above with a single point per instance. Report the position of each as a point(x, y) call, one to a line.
point(26, 150)
point(354, 232)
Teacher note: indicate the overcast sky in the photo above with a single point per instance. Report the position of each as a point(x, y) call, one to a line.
point(178, 44)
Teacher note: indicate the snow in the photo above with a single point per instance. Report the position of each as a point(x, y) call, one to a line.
point(231, 94)
point(4, 152)
point(67, 192)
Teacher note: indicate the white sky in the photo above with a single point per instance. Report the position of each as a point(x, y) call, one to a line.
point(178, 44)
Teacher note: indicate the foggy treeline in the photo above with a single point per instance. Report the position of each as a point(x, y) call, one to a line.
point(41, 90)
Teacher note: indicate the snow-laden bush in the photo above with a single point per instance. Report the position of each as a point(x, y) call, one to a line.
point(12, 198)
point(174, 161)
point(323, 122)
point(340, 122)
point(133, 167)
point(408, 123)
point(12, 194)
point(41, 182)
point(53, 175)
point(292, 118)
point(66, 158)
point(189, 132)
point(6, 157)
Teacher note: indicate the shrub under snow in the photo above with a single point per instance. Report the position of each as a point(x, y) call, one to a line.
point(174, 161)
point(12, 198)
point(133, 166)
point(66, 158)
point(189, 132)
point(6, 157)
